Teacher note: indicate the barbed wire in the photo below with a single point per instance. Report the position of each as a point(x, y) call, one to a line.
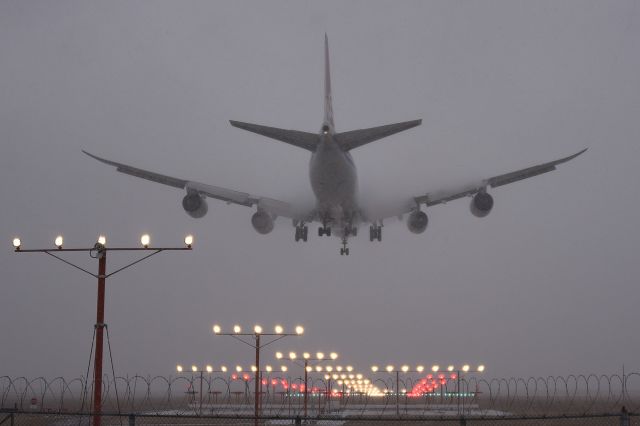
point(284, 396)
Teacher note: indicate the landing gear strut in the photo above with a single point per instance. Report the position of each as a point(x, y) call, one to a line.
point(301, 232)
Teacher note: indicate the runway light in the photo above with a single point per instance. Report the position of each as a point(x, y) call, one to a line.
point(339, 368)
point(309, 369)
point(333, 355)
point(318, 368)
point(223, 369)
point(299, 330)
point(58, 241)
point(327, 376)
point(481, 368)
point(349, 368)
point(217, 329)
point(278, 329)
point(306, 355)
point(188, 240)
point(257, 329)
point(278, 355)
point(209, 369)
point(374, 368)
point(238, 369)
point(283, 368)
point(435, 368)
point(102, 240)
point(194, 368)
point(329, 368)
point(389, 368)
point(269, 369)
point(450, 368)
point(292, 355)
point(179, 368)
point(237, 329)
point(145, 240)
point(405, 368)
point(465, 368)
point(320, 355)
point(254, 368)
point(420, 368)
point(17, 243)
point(359, 376)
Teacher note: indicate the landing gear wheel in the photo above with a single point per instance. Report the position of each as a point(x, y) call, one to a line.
point(305, 233)
point(375, 233)
point(301, 233)
point(324, 230)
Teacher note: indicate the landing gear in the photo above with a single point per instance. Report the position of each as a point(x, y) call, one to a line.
point(375, 232)
point(344, 250)
point(301, 232)
point(324, 230)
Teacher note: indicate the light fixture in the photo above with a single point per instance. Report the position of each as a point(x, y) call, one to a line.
point(254, 368)
point(299, 329)
point(309, 368)
point(465, 368)
point(374, 368)
point(223, 369)
point(450, 368)
point(217, 329)
point(237, 329)
point(209, 369)
point(102, 240)
point(145, 240)
point(420, 368)
point(292, 355)
point(481, 368)
point(306, 355)
point(405, 368)
point(435, 368)
point(318, 368)
point(333, 355)
point(179, 368)
point(389, 368)
point(320, 355)
point(194, 368)
point(278, 355)
point(238, 369)
point(257, 329)
point(283, 368)
point(329, 368)
point(58, 242)
point(188, 240)
point(278, 329)
point(17, 243)
point(268, 368)
point(349, 368)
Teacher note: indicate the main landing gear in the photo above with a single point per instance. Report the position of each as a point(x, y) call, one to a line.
point(375, 232)
point(324, 230)
point(301, 232)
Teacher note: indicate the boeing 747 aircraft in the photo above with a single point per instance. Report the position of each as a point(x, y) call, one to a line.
point(333, 179)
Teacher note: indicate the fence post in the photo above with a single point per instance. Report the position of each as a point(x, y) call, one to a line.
point(624, 417)
point(132, 420)
point(298, 420)
point(463, 421)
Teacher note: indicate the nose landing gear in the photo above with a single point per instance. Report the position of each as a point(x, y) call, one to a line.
point(344, 250)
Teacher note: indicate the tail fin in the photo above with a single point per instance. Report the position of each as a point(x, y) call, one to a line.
point(328, 107)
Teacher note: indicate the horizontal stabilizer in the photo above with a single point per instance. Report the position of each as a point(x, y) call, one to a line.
point(356, 138)
point(304, 140)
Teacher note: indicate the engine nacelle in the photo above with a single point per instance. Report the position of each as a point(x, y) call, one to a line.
point(417, 222)
point(481, 204)
point(195, 205)
point(262, 222)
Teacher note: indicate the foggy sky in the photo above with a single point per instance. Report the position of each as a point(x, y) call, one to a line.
point(546, 284)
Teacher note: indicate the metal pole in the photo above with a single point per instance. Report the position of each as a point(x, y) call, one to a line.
point(257, 378)
point(97, 364)
point(398, 393)
point(306, 388)
point(200, 409)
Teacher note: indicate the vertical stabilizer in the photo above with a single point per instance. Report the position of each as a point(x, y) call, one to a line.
point(328, 107)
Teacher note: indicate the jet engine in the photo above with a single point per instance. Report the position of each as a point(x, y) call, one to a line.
point(481, 204)
point(195, 205)
point(417, 222)
point(262, 222)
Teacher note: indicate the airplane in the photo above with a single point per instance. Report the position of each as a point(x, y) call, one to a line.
point(333, 179)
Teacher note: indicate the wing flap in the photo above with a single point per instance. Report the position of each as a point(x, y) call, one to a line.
point(355, 138)
point(297, 138)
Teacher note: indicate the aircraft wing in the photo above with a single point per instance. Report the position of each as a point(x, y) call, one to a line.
point(279, 208)
point(441, 197)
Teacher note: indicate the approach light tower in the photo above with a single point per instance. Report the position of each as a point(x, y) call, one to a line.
point(258, 332)
point(99, 251)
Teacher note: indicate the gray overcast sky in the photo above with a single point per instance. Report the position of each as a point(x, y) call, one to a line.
point(546, 284)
